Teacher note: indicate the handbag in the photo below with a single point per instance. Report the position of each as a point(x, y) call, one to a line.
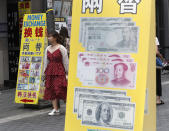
point(159, 62)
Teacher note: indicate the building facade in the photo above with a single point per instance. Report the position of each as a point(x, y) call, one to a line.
point(10, 37)
point(11, 13)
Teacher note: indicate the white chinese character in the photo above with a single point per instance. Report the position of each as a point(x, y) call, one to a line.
point(128, 6)
point(92, 5)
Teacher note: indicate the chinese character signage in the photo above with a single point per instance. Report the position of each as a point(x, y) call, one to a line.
point(112, 66)
point(128, 6)
point(31, 59)
point(24, 7)
point(92, 5)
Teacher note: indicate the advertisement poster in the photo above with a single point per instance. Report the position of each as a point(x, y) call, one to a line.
point(69, 24)
point(60, 22)
point(111, 66)
point(66, 9)
point(24, 7)
point(31, 58)
point(57, 8)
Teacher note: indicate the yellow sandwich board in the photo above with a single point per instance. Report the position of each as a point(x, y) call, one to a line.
point(112, 66)
point(31, 59)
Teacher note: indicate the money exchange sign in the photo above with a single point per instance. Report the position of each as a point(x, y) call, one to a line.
point(111, 71)
point(31, 58)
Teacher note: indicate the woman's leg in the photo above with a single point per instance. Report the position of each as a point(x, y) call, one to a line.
point(59, 104)
point(55, 107)
point(55, 104)
point(158, 85)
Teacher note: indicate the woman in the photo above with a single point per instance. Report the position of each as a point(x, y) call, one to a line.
point(55, 70)
point(66, 39)
point(158, 76)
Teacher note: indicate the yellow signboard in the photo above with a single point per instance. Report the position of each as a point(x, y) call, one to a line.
point(111, 66)
point(31, 59)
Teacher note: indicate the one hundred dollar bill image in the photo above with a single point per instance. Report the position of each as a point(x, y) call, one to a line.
point(112, 39)
point(82, 90)
point(115, 115)
point(82, 35)
point(98, 97)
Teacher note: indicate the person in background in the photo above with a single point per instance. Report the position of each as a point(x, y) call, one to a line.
point(55, 70)
point(66, 39)
point(158, 76)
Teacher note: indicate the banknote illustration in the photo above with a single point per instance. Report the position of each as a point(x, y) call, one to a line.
point(88, 59)
point(115, 115)
point(103, 19)
point(114, 75)
point(103, 55)
point(117, 19)
point(112, 39)
point(80, 90)
point(98, 97)
point(106, 69)
point(92, 60)
point(84, 62)
point(85, 25)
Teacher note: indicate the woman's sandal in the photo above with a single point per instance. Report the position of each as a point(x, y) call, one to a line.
point(161, 102)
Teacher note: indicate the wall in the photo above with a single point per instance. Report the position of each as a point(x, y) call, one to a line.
point(162, 26)
point(38, 6)
point(4, 73)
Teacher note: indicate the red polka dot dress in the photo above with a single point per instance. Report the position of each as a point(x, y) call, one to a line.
point(55, 74)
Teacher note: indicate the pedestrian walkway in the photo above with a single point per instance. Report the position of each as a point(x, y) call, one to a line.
point(163, 110)
point(37, 123)
point(14, 117)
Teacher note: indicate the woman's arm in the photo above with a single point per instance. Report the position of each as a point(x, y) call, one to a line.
point(159, 54)
point(45, 60)
point(65, 58)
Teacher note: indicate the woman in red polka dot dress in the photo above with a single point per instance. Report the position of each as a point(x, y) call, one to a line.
point(55, 70)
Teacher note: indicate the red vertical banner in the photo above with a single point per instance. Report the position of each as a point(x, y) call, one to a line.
point(23, 8)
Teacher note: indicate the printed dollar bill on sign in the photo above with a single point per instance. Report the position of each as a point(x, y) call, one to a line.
point(115, 115)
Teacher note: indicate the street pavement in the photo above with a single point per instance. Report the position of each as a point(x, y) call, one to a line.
point(163, 110)
point(16, 117)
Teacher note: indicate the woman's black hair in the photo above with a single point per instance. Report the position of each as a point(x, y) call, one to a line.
point(56, 35)
point(64, 32)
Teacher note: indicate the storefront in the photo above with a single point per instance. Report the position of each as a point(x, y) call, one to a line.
point(12, 12)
